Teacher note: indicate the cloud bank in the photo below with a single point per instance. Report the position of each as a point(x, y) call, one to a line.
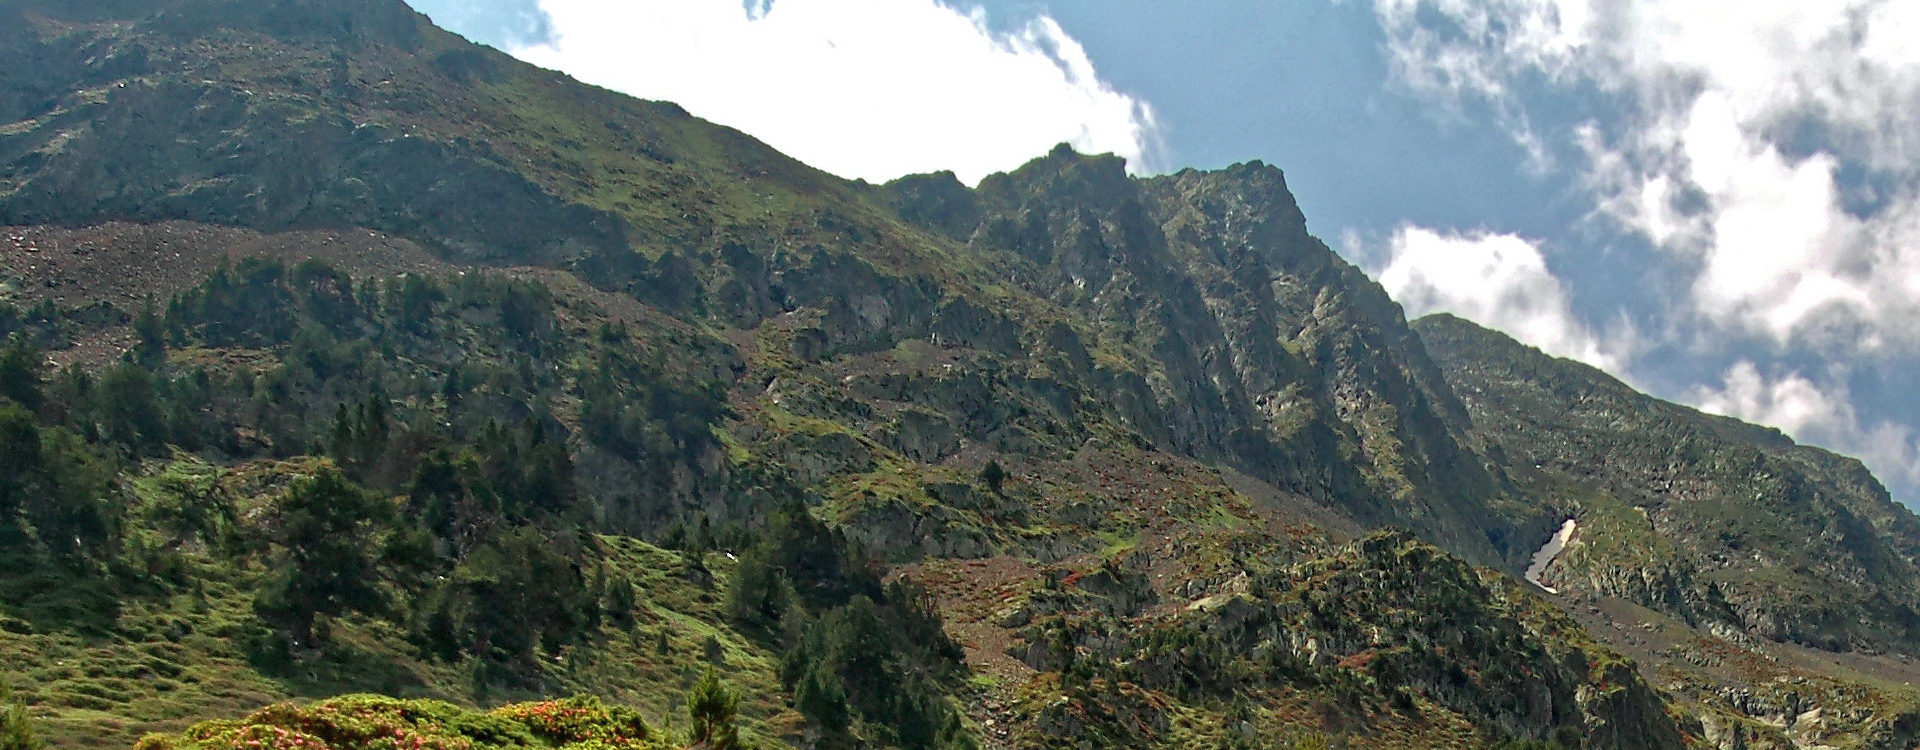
point(1773, 149)
point(1497, 280)
point(872, 89)
point(1768, 154)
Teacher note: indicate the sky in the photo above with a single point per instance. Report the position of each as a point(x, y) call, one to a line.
point(1719, 207)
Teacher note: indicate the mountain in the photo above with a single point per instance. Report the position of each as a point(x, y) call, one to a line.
point(347, 356)
point(1706, 518)
point(1793, 558)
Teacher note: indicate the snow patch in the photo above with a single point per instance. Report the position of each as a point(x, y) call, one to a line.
point(1547, 553)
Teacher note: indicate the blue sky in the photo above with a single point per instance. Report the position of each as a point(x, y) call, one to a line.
point(1721, 208)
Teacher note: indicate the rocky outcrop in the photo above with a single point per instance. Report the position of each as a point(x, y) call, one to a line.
point(1257, 344)
point(1419, 618)
point(904, 534)
point(1395, 624)
point(1721, 524)
point(230, 156)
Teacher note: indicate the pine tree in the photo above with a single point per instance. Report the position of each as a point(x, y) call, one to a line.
point(150, 337)
point(328, 567)
point(21, 462)
point(714, 711)
point(758, 597)
point(820, 698)
point(16, 727)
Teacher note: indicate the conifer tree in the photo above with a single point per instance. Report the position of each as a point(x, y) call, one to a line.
point(16, 727)
point(20, 366)
point(714, 711)
point(328, 567)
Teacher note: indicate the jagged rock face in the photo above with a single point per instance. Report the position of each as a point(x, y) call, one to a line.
point(1407, 629)
point(1721, 523)
point(1265, 348)
point(1398, 604)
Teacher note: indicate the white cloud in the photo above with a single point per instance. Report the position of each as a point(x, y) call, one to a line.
point(1790, 402)
point(1817, 413)
point(1498, 280)
point(1737, 126)
point(862, 88)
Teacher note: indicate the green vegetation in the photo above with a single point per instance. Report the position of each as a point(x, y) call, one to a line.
point(368, 721)
point(1701, 517)
point(428, 548)
point(16, 726)
point(713, 711)
point(855, 651)
point(554, 392)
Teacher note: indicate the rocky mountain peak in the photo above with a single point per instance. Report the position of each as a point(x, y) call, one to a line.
point(1065, 177)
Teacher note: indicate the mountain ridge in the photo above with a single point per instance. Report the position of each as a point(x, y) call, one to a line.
point(1129, 433)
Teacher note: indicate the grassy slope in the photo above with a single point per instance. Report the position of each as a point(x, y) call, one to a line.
point(161, 663)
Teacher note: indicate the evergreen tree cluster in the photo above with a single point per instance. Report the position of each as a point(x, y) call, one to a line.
point(440, 424)
point(450, 504)
point(855, 651)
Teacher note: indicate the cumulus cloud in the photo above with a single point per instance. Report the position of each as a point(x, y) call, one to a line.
point(1820, 412)
point(863, 88)
point(1498, 280)
point(1772, 151)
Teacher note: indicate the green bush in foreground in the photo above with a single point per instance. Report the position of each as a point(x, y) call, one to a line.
point(372, 722)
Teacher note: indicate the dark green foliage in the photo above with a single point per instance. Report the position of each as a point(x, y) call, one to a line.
point(853, 648)
point(21, 465)
point(43, 324)
point(629, 410)
point(512, 597)
point(487, 556)
point(149, 337)
point(248, 305)
point(53, 487)
point(713, 712)
point(759, 597)
point(324, 565)
point(993, 476)
point(20, 372)
point(16, 727)
point(128, 408)
point(818, 562)
point(412, 303)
